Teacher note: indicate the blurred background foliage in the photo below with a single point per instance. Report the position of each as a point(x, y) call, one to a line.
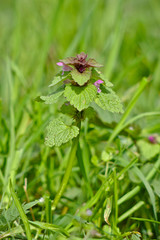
point(123, 35)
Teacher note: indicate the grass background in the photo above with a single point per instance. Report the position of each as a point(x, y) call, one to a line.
point(34, 35)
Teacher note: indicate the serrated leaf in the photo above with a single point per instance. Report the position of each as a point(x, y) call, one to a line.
point(80, 97)
point(49, 226)
point(98, 75)
point(110, 102)
point(58, 133)
point(81, 78)
point(59, 77)
point(52, 98)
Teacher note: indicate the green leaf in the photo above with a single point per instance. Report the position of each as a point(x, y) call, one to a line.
point(12, 232)
point(148, 150)
point(30, 205)
point(106, 156)
point(89, 113)
point(81, 78)
point(110, 102)
point(11, 214)
point(136, 237)
point(3, 221)
point(58, 133)
point(49, 226)
point(38, 99)
point(68, 109)
point(80, 97)
point(107, 211)
point(53, 98)
point(59, 77)
point(96, 74)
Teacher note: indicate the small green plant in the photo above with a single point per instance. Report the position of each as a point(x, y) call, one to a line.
point(80, 84)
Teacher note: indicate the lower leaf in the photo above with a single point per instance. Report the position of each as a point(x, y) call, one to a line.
point(58, 133)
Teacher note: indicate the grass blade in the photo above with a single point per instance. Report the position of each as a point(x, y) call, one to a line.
point(49, 226)
point(99, 193)
point(21, 212)
point(142, 115)
point(148, 188)
point(12, 143)
point(84, 164)
point(130, 211)
point(145, 220)
point(115, 198)
point(133, 101)
point(134, 191)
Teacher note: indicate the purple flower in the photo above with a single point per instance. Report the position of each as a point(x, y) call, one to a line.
point(65, 68)
point(79, 62)
point(152, 139)
point(97, 85)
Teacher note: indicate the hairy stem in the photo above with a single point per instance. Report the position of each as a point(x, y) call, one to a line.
point(67, 174)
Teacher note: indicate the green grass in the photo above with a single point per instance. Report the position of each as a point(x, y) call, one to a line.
point(115, 162)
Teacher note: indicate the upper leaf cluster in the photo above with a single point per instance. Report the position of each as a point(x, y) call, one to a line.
point(81, 84)
point(79, 90)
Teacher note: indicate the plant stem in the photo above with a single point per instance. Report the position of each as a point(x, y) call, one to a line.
point(67, 174)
